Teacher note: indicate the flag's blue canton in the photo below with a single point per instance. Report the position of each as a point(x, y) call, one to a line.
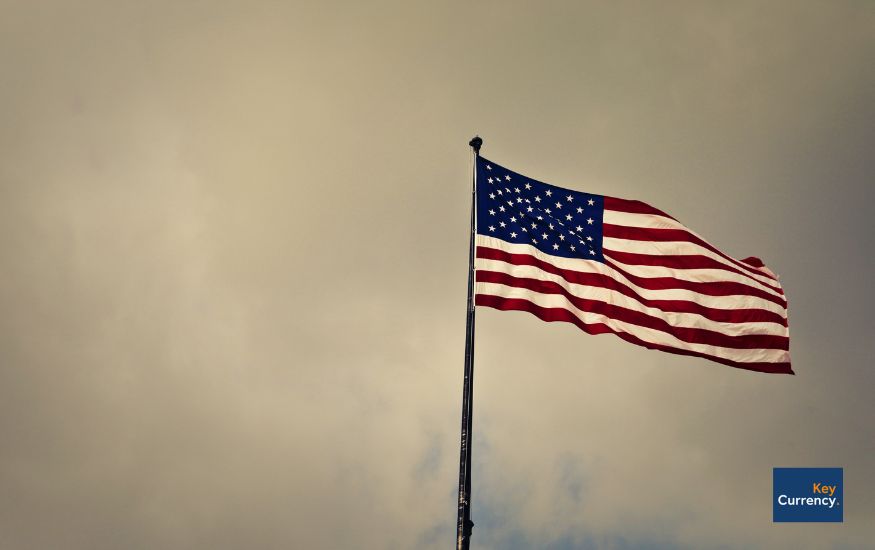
point(557, 221)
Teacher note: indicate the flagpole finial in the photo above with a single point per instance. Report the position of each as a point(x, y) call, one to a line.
point(475, 143)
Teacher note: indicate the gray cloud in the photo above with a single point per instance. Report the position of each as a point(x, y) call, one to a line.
point(233, 245)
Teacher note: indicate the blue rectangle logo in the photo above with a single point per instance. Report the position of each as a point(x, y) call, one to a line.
point(807, 495)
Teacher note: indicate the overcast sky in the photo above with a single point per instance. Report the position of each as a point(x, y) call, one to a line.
point(233, 254)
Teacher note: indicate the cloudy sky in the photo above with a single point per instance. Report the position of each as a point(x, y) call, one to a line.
point(233, 253)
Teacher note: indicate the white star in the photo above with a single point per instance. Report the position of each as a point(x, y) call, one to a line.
point(492, 212)
point(555, 247)
point(492, 196)
point(551, 226)
point(529, 209)
point(502, 224)
point(516, 189)
point(547, 210)
point(498, 191)
point(579, 228)
point(537, 199)
point(525, 230)
point(535, 241)
point(528, 186)
point(558, 205)
point(568, 217)
point(519, 200)
point(590, 202)
point(492, 228)
point(534, 225)
point(501, 208)
point(549, 193)
point(589, 221)
point(507, 177)
point(589, 239)
point(579, 210)
point(507, 189)
point(489, 180)
point(572, 248)
point(561, 237)
point(592, 252)
point(540, 218)
point(544, 236)
point(570, 198)
point(512, 235)
point(488, 167)
point(513, 219)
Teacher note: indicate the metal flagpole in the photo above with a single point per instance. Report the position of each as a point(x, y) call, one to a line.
point(464, 523)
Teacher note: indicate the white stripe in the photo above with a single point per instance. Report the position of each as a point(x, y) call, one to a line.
point(703, 275)
point(653, 221)
point(675, 319)
point(649, 221)
point(679, 248)
point(590, 266)
point(645, 334)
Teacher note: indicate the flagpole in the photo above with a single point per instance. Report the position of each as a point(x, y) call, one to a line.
point(464, 525)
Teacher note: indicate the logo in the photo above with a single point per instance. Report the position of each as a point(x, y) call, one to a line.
point(807, 495)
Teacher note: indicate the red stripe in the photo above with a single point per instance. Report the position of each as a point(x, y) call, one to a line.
point(655, 283)
point(722, 288)
point(672, 235)
point(633, 207)
point(559, 314)
point(687, 334)
point(679, 262)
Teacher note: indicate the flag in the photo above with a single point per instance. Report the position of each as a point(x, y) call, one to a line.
point(623, 267)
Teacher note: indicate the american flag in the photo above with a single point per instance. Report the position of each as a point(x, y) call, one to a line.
point(621, 266)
